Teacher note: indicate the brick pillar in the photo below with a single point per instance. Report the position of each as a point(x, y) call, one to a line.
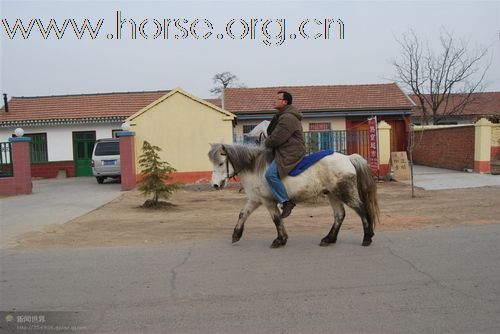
point(482, 146)
point(384, 147)
point(21, 164)
point(127, 159)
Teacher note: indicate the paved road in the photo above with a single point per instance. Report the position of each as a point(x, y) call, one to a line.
point(54, 201)
point(429, 281)
point(443, 281)
point(430, 178)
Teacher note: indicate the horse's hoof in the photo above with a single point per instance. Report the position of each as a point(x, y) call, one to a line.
point(277, 243)
point(237, 235)
point(326, 242)
point(366, 243)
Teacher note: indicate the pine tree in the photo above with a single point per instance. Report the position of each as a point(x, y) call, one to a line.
point(155, 174)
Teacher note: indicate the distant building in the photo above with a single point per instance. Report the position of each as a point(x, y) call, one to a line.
point(328, 109)
point(183, 126)
point(64, 128)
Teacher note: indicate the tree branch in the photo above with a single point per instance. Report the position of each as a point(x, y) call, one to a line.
point(437, 78)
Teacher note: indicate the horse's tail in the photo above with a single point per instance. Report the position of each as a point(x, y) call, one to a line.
point(367, 187)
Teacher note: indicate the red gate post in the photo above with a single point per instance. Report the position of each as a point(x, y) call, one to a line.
point(21, 165)
point(127, 159)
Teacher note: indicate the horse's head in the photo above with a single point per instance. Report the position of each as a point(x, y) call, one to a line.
point(222, 168)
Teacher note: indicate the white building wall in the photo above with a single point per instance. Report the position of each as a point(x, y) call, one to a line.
point(60, 138)
point(5, 134)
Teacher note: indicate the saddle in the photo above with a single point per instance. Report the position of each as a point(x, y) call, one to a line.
point(308, 161)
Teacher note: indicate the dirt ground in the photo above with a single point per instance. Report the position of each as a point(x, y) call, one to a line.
point(200, 213)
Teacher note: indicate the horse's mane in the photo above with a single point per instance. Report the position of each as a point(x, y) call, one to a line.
point(245, 158)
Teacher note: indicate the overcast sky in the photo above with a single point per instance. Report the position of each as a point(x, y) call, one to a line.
point(34, 66)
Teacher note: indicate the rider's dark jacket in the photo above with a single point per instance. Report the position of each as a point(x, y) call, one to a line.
point(286, 137)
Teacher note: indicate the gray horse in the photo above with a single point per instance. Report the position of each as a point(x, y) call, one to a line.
point(343, 179)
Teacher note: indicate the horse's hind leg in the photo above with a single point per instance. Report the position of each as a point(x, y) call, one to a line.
point(339, 215)
point(367, 226)
point(245, 212)
point(349, 195)
point(280, 228)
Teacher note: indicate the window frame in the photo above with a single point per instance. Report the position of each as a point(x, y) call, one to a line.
point(320, 126)
point(38, 147)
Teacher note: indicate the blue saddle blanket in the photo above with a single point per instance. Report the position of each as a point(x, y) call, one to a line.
point(308, 161)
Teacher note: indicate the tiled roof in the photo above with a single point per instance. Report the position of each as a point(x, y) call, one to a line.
point(338, 97)
point(215, 102)
point(486, 103)
point(107, 105)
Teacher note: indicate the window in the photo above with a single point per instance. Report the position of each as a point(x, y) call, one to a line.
point(38, 147)
point(248, 128)
point(320, 126)
point(107, 148)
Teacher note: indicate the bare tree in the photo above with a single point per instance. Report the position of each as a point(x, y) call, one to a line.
point(443, 82)
point(224, 80)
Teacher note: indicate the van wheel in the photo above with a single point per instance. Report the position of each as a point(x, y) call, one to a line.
point(100, 179)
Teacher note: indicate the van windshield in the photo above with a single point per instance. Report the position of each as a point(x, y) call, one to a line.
point(107, 148)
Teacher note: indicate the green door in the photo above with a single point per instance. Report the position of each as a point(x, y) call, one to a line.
point(83, 144)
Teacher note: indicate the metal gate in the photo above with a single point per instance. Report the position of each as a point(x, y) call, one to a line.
point(346, 142)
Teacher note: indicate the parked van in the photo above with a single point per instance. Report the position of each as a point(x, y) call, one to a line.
point(106, 159)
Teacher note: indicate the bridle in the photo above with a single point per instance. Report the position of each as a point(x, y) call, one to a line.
point(228, 161)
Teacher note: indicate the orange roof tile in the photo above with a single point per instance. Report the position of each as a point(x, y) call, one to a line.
point(338, 97)
point(216, 102)
point(103, 105)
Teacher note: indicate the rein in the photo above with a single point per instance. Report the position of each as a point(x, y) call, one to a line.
point(228, 160)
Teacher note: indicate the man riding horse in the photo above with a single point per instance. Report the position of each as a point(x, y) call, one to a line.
point(264, 174)
point(286, 138)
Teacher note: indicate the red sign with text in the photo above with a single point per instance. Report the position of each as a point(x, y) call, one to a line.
point(373, 143)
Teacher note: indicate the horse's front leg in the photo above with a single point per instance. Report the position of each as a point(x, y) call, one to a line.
point(280, 227)
point(247, 210)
